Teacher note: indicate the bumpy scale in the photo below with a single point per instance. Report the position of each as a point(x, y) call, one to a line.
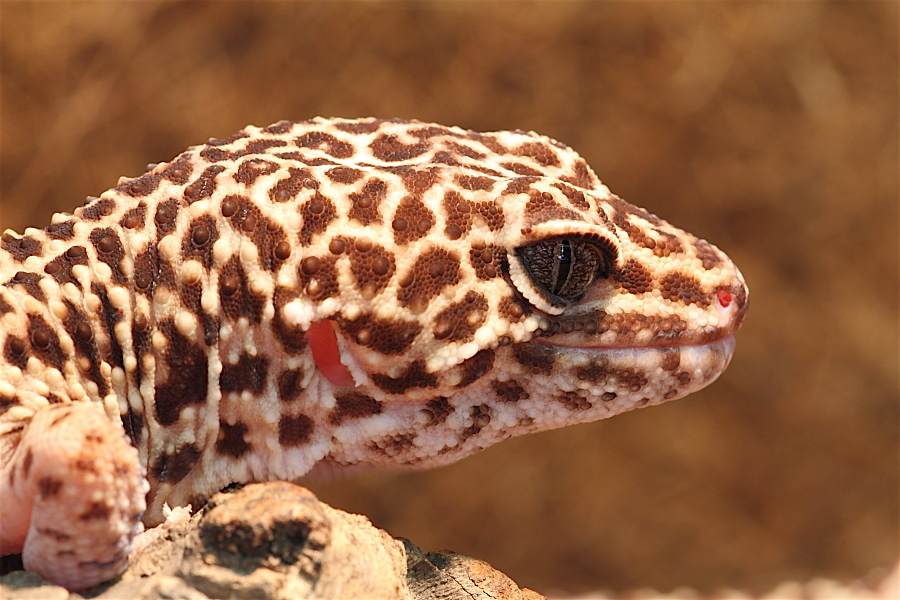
point(324, 295)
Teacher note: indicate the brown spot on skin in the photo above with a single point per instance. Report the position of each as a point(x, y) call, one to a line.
point(175, 466)
point(204, 185)
point(488, 261)
point(187, 381)
point(416, 181)
point(317, 214)
point(542, 207)
point(288, 385)
point(144, 185)
point(110, 251)
point(476, 367)
point(199, 239)
point(394, 445)
point(295, 430)
point(473, 183)
point(509, 391)
point(279, 128)
point(252, 169)
point(461, 214)
point(48, 487)
point(28, 281)
point(389, 337)
point(542, 153)
point(318, 277)
point(600, 372)
point(459, 321)
point(79, 329)
point(678, 287)
point(266, 234)
point(574, 401)
point(231, 440)
point(437, 411)
point(364, 205)
point(5, 307)
point(60, 268)
point(576, 197)
point(64, 230)
point(166, 213)
point(21, 248)
point(45, 342)
point(97, 510)
point(390, 148)
point(671, 359)
point(325, 142)
point(443, 157)
point(297, 180)
point(513, 309)
point(412, 220)
point(134, 218)
point(371, 264)
point(539, 359)
point(430, 131)
point(467, 151)
point(180, 170)
point(633, 277)
point(235, 298)
point(581, 176)
point(292, 338)
point(358, 127)
point(345, 175)
point(99, 208)
point(481, 418)
point(520, 185)
point(259, 146)
point(431, 273)
point(415, 376)
point(248, 374)
point(353, 405)
point(709, 256)
point(488, 141)
point(521, 169)
point(146, 267)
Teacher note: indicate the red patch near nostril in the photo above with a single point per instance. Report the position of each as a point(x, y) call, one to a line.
point(725, 298)
point(323, 343)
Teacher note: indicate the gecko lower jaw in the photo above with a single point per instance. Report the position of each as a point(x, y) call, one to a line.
point(715, 354)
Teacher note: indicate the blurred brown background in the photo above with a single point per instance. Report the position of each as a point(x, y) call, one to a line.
point(768, 128)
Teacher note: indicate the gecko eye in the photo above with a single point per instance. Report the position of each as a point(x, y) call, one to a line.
point(564, 268)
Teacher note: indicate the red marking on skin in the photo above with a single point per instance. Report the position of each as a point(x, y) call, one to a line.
point(724, 297)
point(323, 343)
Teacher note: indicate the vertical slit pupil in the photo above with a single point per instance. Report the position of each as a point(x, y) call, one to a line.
point(564, 264)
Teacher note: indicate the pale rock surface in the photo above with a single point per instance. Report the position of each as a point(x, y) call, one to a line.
point(277, 541)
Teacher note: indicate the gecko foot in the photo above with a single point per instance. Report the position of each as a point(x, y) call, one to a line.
point(72, 496)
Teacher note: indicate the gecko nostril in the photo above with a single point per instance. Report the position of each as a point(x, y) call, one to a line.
point(724, 297)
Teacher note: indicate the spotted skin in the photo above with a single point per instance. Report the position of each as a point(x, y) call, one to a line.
point(320, 296)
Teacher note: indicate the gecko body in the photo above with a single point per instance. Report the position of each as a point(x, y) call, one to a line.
point(321, 296)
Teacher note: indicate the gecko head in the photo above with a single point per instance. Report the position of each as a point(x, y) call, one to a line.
point(605, 292)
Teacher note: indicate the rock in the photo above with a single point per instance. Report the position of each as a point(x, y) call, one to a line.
point(273, 541)
point(277, 541)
